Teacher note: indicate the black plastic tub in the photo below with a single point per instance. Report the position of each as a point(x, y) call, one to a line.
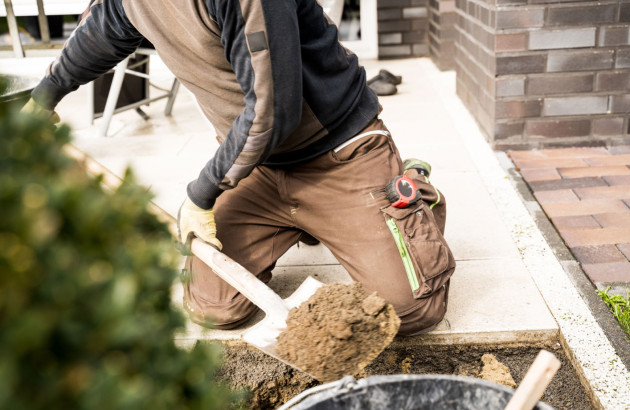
point(406, 392)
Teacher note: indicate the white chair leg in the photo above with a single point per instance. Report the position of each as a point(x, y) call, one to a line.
point(171, 97)
point(112, 97)
point(13, 29)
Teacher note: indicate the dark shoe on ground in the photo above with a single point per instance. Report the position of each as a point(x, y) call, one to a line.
point(389, 77)
point(307, 239)
point(381, 87)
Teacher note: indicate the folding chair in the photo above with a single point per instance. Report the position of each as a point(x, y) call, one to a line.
point(122, 69)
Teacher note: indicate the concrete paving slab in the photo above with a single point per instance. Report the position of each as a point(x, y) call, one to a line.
point(474, 229)
point(443, 156)
point(506, 303)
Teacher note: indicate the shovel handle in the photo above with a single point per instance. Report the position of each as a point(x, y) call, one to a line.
point(242, 280)
point(535, 382)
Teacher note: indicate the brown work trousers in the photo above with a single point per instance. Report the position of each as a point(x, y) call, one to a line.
point(339, 199)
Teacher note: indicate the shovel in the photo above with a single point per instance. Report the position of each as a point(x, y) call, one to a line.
point(264, 334)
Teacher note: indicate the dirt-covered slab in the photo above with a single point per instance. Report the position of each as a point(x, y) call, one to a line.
point(338, 331)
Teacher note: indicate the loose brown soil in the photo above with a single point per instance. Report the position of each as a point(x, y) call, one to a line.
point(338, 331)
point(271, 383)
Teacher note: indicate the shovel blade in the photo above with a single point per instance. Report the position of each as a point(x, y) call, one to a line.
point(264, 335)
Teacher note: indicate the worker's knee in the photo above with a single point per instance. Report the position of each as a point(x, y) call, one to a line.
point(210, 301)
point(218, 315)
point(424, 317)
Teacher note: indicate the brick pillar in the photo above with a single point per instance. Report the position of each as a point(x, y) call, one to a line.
point(402, 28)
point(544, 73)
point(442, 33)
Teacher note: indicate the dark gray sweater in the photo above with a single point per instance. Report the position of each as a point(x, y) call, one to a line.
point(270, 75)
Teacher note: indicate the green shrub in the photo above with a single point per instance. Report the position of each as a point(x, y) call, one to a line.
point(86, 320)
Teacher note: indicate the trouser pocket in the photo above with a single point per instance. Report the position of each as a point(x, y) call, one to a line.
point(427, 259)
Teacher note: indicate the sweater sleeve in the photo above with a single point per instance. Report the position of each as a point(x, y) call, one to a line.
point(103, 38)
point(262, 44)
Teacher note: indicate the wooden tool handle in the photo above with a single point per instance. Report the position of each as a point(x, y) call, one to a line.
point(243, 280)
point(535, 382)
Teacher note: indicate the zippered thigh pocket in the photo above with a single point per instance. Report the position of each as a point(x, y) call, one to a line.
point(427, 259)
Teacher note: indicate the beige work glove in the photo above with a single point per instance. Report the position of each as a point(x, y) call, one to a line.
point(32, 107)
point(193, 221)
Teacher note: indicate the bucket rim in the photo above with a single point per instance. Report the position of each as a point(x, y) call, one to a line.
point(349, 383)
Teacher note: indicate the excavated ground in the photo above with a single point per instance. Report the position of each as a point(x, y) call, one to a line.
point(271, 383)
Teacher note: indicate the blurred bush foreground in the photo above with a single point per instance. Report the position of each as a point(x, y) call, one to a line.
point(86, 320)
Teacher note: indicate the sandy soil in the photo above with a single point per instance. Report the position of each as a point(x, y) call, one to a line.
point(495, 371)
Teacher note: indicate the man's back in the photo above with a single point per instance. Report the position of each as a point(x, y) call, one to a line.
point(280, 48)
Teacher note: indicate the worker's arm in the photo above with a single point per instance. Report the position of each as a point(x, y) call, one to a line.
point(262, 43)
point(103, 38)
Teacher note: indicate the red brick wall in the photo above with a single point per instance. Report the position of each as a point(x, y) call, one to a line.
point(540, 73)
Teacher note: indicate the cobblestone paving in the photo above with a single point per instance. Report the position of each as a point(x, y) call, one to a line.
point(585, 192)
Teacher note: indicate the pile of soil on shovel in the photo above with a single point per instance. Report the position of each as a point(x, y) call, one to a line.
point(338, 331)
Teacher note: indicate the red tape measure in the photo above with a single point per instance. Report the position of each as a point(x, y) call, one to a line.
point(401, 191)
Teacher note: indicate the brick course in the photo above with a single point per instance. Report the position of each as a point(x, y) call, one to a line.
point(544, 174)
point(598, 254)
point(612, 220)
point(617, 179)
point(442, 33)
point(572, 56)
point(585, 208)
point(589, 237)
point(403, 27)
point(608, 272)
point(589, 204)
point(575, 222)
point(613, 192)
point(558, 195)
point(625, 249)
point(603, 171)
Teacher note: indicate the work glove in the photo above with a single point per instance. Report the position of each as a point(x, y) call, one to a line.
point(193, 221)
point(32, 107)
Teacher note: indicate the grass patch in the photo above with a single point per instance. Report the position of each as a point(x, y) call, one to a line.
point(619, 306)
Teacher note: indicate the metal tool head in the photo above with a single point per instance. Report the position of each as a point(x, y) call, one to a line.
point(264, 335)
